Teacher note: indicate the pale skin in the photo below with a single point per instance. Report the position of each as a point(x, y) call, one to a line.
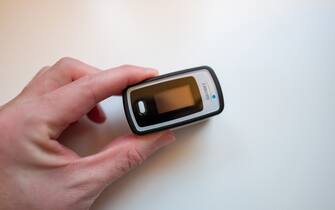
point(36, 171)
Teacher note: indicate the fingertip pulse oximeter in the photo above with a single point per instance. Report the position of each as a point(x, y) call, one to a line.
point(173, 100)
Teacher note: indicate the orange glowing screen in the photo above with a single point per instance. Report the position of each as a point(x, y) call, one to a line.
point(173, 99)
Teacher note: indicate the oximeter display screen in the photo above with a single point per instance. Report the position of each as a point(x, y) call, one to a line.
point(166, 101)
point(173, 99)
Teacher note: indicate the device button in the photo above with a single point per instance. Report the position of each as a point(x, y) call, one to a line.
point(141, 107)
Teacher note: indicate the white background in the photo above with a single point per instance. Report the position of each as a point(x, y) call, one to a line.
point(272, 148)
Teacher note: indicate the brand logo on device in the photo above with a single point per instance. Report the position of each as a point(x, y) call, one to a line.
point(205, 88)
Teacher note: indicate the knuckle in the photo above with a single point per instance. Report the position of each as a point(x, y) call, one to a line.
point(133, 158)
point(130, 68)
point(66, 62)
point(75, 66)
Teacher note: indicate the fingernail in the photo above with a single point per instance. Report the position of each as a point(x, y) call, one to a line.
point(167, 138)
point(171, 135)
point(151, 71)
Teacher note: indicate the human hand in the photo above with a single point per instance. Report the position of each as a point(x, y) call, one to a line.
point(37, 172)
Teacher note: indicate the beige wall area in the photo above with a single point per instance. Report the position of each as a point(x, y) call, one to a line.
point(273, 146)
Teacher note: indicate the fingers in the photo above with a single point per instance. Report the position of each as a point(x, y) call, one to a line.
point(122, 155)
point(68, 69)
point(74, 100)
point(61, 73)
point(96, 114)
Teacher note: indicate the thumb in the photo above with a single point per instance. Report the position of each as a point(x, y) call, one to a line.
point(122, 155)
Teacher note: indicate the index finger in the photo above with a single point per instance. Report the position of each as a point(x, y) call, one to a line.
point(75, 99)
